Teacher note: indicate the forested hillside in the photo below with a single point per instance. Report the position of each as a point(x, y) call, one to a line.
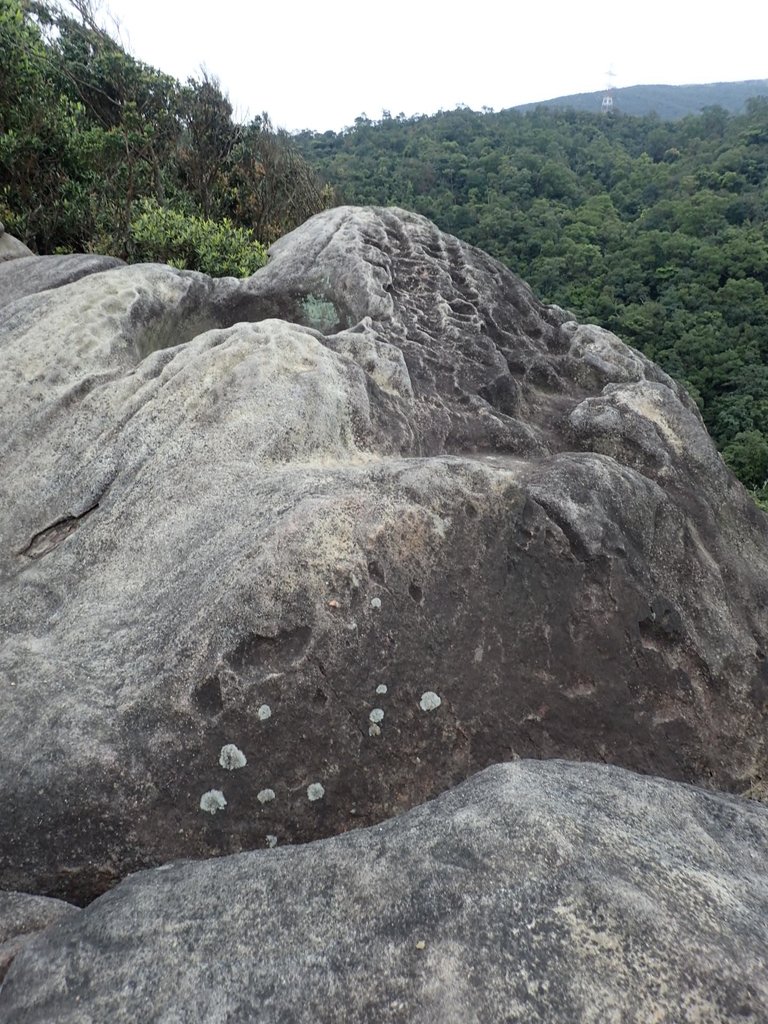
point(668, 101)
point(656, 230)
point(100, 152)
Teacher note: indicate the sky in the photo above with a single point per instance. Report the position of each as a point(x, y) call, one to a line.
point(321, 64)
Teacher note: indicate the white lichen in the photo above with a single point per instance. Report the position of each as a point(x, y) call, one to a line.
point(377, 715)
point(264, 712)
point(271, 841)
point(232, 757)
point(315, 791)
point(381, 688)
point(374, 730)
point(320, 313)
point(429, 701)
point(375, 602)
point(212, 801)
point(265, 795)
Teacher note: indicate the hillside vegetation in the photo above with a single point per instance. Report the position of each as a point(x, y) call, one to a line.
point(101, 152)
point(668, 101)
point(656, 230)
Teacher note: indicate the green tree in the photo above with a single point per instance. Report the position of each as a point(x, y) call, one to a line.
point(747, 455)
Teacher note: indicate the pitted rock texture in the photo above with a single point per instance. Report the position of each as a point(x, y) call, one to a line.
point(232, 511)
point(536, 892)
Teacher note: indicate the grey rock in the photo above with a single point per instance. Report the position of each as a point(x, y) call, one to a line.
point(21, 917)
point(11, 248)
point(543, 892)
point(31, 274)
point(378, 461)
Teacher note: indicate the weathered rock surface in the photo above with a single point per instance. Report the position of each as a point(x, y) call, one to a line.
point(272, 515)
point(32, 274)
point(11, 248)
point(21, 916)
point(535, 892)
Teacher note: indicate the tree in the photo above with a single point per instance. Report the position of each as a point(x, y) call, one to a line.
point(747, 455)
point(207, 140)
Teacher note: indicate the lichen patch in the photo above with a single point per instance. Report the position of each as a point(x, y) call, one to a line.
point(429, 701)
point(231, 757)
point(213, 801)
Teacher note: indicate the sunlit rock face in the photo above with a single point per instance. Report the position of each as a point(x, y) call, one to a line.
point(376, 518)
point(540, 891)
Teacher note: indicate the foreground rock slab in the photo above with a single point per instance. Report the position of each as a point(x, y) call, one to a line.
point(536, 892)
point(286, 556)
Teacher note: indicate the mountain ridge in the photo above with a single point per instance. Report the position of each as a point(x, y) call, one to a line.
point(670, 102)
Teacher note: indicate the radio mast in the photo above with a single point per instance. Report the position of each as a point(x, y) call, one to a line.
point(607, 105)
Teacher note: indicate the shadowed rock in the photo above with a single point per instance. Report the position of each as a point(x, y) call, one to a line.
point(234, 511)
point(544, 892)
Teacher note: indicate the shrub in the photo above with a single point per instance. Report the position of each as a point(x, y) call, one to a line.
point(218, 248)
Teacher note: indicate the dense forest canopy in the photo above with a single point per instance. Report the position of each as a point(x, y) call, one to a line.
point(654, 229)
point(100, 152)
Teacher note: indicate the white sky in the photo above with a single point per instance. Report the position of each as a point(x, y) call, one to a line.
point(320, 64)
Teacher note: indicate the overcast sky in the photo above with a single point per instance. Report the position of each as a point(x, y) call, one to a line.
point(320, 64)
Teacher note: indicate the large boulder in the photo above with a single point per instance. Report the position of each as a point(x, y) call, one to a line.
point(21, 917)
point(286, 556)
point(30, 274)
point(544, 892)
point(11, 248)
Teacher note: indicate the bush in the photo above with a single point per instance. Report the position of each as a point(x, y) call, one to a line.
point(218, 248)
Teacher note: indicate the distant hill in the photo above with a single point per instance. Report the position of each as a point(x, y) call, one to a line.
point(670, 102)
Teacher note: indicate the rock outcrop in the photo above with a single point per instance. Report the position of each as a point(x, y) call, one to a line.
point(287, 556)
point(544, 892)
point(30, 274)
point(11, 248)
point(21, 917)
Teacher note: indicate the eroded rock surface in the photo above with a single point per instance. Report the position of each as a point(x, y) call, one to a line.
point(32, 274)
point(233, 512)
point(543, 892)
point(11, 248)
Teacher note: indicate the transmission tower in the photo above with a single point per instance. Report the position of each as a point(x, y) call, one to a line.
point(607, 106)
